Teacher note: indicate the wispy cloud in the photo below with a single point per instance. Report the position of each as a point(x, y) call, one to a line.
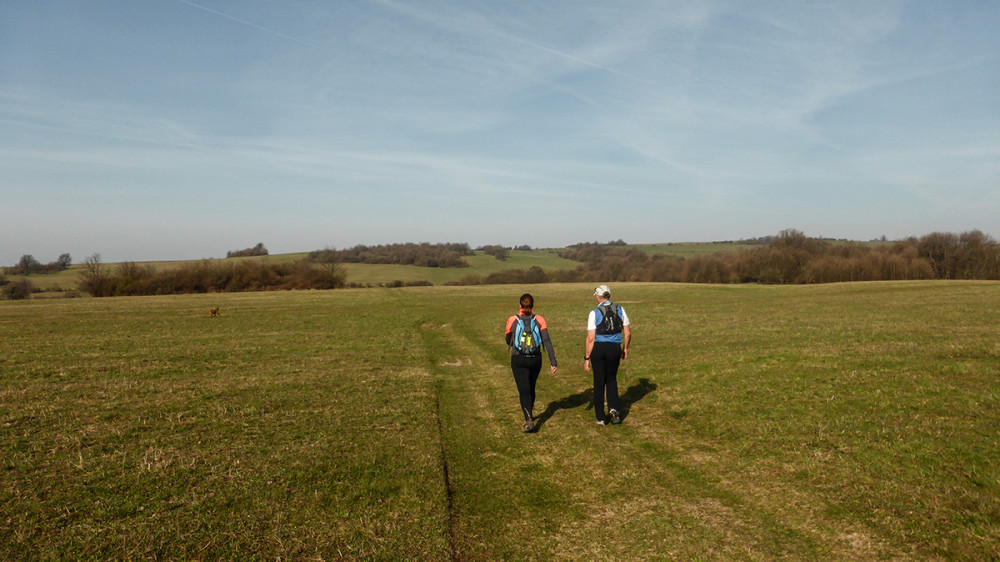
point(38, 113)
point(249, 23)
point(469, 23)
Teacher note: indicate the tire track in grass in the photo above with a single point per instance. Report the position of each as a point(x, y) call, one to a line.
point(728, 516)
point(503, 492)
point(449, 488)
point(468, 394)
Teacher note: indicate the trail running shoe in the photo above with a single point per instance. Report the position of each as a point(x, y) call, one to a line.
point(615, 419)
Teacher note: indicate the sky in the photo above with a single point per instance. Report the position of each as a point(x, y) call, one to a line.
point(183, 129)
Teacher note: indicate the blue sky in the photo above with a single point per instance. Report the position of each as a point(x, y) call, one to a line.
point(175, 129)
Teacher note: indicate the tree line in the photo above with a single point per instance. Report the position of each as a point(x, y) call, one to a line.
point(788, 258)
point(499, 252)
point(131, 279)
point(791, 257)
point(28, 265)
point(258, 250)
point(20, 289)
point(420, 255)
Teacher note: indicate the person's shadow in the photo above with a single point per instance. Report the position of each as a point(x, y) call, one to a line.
point(635, 393)
point(568, 403)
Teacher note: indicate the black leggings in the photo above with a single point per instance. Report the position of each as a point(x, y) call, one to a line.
point(526, 371)
point(604, 361)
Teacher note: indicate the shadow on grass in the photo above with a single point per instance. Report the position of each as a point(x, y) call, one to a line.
point(568, 403)
point(635, 393)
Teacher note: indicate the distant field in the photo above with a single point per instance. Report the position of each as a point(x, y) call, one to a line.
point(66, 280)
point(844, 421)
point(692, 249)
point(362, 274)
point(480, 264)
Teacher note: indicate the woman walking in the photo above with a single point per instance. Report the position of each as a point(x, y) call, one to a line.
point(527, 333)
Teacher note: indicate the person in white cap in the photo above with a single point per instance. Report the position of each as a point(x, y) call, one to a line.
point(608, 338)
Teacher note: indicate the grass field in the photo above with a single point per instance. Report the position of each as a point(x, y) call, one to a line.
point(850, 421)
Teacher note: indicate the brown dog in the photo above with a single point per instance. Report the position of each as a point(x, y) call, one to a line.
point(214, 312)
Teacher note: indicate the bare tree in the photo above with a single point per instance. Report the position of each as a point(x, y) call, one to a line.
point(96, 278)
point(27, 265)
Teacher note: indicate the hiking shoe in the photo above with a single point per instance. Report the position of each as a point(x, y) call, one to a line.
point(529, 426)
point(615, 418)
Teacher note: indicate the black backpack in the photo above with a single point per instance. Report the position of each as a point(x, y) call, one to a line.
point(610, 321)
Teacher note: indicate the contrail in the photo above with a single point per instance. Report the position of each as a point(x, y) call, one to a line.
point(244, 22)
point(460, 27)
point(566, 56)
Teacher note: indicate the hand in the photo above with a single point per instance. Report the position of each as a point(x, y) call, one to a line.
point(554, 369)
point(624, 353)
point(586, 365)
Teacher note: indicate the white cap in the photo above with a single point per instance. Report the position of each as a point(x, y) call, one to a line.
point(602, 290)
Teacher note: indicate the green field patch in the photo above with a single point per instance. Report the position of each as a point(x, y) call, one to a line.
point(479, 264)
point(692, 249)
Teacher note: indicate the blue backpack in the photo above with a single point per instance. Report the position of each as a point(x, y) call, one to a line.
point(526, 336)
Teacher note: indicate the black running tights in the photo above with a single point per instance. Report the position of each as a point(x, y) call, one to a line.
point(526, 371)
point(604, 361)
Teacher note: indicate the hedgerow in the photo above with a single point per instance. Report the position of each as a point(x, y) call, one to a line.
point(129, 279)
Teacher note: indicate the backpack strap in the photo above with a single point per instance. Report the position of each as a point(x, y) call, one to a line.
point(530, 321)
point(604, 308)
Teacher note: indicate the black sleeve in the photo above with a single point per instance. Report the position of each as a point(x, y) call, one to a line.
point(547, 344)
